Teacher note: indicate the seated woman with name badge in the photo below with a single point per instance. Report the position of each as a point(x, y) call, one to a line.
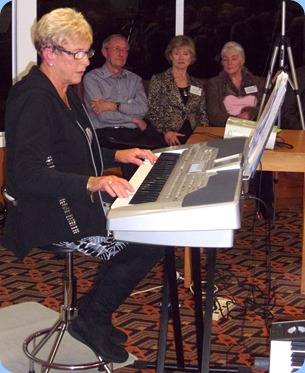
point(236, 92)
point(176, 100)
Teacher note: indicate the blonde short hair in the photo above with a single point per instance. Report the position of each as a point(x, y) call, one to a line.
point(59, 27)
point(236, 47)
point(181, 41)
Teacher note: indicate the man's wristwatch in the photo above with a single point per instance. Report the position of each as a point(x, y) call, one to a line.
point(117, 106)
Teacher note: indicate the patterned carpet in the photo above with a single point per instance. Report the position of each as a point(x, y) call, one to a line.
point(262, 280)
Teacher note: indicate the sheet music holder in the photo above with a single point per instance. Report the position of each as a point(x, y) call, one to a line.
point(265, 125)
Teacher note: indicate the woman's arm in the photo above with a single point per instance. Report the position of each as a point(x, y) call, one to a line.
point(202, 114)
point(252, 112)
point(161, 111)
point(154, 103)
point(31, 135)
point(217, 113)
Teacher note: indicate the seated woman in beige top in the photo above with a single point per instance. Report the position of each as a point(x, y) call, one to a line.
point(176, 100)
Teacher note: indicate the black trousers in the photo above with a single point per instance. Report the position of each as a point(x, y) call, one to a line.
point(126, 138)
point(117, 279)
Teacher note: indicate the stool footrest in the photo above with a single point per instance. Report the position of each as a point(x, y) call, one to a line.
point(34, 344)
point(59, 328)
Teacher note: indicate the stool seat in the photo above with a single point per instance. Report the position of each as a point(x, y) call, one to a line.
point(37, 342)
point(56, 249)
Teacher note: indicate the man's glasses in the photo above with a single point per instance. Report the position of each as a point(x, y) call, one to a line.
point(79, 54)
point(119, 50)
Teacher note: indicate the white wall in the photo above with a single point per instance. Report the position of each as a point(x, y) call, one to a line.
point(24, 55)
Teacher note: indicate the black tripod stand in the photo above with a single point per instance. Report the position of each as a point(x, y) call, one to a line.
point(282, 44)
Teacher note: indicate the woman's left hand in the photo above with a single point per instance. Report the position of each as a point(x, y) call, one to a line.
point(243, 115)
point(172, 138)
point(136, 156)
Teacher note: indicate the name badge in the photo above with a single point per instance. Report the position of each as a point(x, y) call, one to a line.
point(251, 89)
point(195, 90)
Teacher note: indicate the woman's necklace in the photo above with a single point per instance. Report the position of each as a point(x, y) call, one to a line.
point(185, 92)
point(181, 80)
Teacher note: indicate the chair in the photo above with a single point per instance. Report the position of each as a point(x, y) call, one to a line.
point(36, 342)
point(188, 276)
point(187, 267)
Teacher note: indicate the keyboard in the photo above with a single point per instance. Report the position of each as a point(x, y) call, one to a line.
point(190, 197)
point(287, 353)
point(189, 176)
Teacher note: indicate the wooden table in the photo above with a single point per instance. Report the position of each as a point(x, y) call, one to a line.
point(278, 160)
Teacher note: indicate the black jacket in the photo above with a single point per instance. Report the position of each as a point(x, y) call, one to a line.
point(49, 160)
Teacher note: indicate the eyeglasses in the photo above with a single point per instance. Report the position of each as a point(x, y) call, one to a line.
point(79, 54)
point(119, 50)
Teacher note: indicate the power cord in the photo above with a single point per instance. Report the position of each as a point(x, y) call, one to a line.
point(146, 290)
point(178, 276)
point(280, 143)
point(203, 292)
point(222, 305)
point(270, 301)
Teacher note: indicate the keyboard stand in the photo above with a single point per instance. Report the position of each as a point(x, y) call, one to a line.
point(170, 307)
point(203, 325)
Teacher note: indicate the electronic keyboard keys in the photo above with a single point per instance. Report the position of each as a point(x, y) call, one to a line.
point(153, 183)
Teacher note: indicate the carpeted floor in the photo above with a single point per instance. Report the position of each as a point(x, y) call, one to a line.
point(17, 322)
point(263, 282)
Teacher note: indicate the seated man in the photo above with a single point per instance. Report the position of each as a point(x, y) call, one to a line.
point(116, 100)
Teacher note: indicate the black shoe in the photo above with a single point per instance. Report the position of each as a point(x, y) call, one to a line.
point(98, 339)
point(117, 336)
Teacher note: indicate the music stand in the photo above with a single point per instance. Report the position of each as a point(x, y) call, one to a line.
point(282, 44)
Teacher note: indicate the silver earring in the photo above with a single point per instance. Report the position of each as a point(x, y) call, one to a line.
point(51, 64)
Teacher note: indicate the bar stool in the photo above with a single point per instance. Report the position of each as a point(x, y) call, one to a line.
point(36, 342)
